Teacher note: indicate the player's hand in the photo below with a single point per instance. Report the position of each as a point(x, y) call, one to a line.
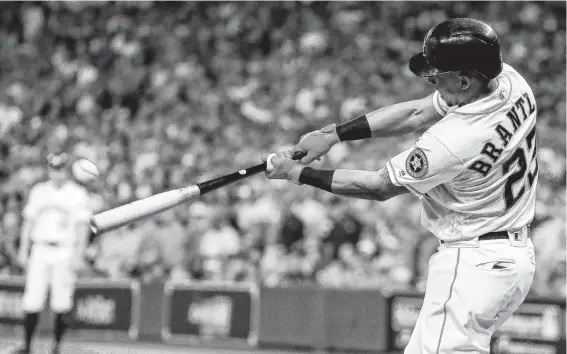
point(317, 143)
point(281, 166)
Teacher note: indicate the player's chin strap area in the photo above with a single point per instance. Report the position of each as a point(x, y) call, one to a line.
point(517, 238)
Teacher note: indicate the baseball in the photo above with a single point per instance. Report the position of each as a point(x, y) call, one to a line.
point(84, 170)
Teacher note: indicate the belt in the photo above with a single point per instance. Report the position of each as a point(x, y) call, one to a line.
point(48, 243)
point(499, 235)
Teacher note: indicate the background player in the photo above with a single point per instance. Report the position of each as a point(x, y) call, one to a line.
point(474, 171)
point(55, 230)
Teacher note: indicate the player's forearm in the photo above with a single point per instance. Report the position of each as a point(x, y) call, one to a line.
point(397, 119)
point(373, 185)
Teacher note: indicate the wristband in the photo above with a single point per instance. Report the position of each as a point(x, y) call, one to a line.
point(322, 179)
point(355, 129)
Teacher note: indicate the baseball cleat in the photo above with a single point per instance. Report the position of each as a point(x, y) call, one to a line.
point(55, 349)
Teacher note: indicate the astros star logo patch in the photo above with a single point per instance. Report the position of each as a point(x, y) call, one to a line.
point(416, 163)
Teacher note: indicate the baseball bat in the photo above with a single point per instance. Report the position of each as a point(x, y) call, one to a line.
point(128, 213)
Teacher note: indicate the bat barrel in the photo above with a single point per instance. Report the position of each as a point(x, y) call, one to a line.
point(132, 212)
point(114, 219)
point(107, 221)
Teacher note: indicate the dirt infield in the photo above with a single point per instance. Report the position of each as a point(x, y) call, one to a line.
point(42, 347)
point(73, 347)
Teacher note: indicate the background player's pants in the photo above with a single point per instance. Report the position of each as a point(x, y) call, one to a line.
point(466, 300)
point(49, 269)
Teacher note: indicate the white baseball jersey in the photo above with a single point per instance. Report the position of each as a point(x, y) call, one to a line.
point(56, 211)
point(475, 171)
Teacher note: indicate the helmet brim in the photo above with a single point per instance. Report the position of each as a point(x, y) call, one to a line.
point(420, 67)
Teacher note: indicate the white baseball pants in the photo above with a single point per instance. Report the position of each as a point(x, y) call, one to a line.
point(466, 299)
point(49, 270)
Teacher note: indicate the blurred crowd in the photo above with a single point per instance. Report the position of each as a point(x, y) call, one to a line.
point(162, 94)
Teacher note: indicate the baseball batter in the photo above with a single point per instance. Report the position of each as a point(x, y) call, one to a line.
point(52, 247)
point(474, 171)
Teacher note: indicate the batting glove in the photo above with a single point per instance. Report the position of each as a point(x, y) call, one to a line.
point(317, 143)
point(281, 166)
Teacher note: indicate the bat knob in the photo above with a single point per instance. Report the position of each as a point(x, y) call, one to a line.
point(269, 164)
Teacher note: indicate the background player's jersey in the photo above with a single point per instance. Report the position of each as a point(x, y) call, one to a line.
point(55, 212)
point(475, 171)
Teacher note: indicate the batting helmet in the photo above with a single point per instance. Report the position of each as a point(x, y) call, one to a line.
point(459, 44)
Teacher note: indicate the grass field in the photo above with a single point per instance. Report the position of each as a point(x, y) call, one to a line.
point(7, 345)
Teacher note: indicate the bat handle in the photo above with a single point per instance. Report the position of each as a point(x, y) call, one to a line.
point(216, 183)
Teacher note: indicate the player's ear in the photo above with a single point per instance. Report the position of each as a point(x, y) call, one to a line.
point(464, 81)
